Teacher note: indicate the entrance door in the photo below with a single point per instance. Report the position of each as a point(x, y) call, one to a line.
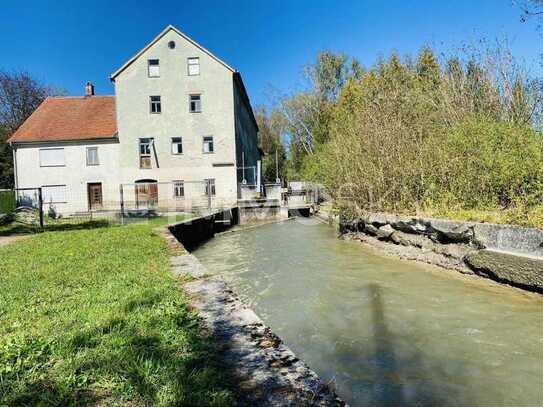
point(94, 191)
point(146, 194)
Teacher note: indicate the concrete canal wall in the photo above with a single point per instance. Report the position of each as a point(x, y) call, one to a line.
point(192, 232)
point(505, 253)
point(267, 372)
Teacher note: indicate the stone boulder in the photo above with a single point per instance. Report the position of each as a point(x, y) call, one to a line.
point(384, 232)
point(409, 225)
point(407, 239)
point(451, 232)
point(370, 230)
point(524, 272)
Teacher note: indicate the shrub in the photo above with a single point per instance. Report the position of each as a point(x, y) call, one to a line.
point(7, 201)
point(492, 164)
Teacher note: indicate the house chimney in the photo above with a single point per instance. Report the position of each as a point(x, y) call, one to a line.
point(89, 89)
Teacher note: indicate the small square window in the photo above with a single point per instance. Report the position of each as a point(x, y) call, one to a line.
point(193, 66)
point(92, 156)
point(153, 68)
point(179, 189)
point(145, 145)
point(195, 103)
point(208, 144)
point(210, 186)
point(177, 145)
point(155, 104)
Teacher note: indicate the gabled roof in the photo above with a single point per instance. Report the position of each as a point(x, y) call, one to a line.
point(158, 37)
point(69, 118)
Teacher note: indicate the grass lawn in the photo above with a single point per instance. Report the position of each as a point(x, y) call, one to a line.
point(93, 316)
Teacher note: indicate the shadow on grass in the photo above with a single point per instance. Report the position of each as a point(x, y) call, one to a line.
point(16, 228)
point(154, 353)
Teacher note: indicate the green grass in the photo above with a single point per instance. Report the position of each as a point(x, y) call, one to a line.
point(50, 225)
point(95, 317)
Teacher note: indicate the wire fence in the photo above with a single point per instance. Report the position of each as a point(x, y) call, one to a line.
point(56, 206)
point(145, 198)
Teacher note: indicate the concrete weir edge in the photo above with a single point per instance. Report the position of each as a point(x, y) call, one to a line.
point(267, 371)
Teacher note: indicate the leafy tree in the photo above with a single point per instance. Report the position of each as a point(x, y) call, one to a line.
point(428, 69)
point(305, 116)
point(269, 137)
point(414, 135)
point(20, 95)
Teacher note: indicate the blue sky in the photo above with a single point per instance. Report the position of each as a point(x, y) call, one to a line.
point(66, 43)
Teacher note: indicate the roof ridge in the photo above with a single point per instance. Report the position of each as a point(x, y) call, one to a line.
point(79, 97)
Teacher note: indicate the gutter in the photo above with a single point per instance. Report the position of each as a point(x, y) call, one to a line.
point(15, 180)
point(102, 140)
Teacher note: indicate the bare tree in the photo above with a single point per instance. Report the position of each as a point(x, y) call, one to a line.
point(20, 95)
point(531, 8)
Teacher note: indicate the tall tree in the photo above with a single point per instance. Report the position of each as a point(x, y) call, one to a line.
point(305, 116)
point(269, 138)
point(20, 95)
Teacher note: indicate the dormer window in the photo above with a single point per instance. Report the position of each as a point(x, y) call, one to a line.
point(193, 66)
point(153, 68)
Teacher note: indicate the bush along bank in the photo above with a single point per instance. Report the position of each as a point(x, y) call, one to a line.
point(507, 254)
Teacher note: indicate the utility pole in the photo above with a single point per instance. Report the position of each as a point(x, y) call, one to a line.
point(277, 180)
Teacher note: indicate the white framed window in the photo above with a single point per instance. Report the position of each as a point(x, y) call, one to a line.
point(155, 106)
point(210, 186)
point(193, 66)
point(177, 145)
point(153, 68)
point(145, 147)
point(52, 194)
point(52, 157)
point(208, 144)
point(92, 156)
point(195, 103)
point(179, 189)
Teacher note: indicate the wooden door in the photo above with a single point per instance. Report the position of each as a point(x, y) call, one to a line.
point(146, 195)
point(94, 191)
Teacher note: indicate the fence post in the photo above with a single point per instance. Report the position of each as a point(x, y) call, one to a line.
point(40, 204)
point(122, 203)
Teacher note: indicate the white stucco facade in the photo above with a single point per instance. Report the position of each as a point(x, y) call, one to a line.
point(73, 176)
point(225, 115)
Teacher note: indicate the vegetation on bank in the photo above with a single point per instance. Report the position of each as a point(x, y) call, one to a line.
point(457, 137)
point(95, 317)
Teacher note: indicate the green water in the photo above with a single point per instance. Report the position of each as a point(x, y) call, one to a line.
point(386, 332)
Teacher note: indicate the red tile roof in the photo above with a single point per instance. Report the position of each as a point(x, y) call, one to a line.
point(69, 118)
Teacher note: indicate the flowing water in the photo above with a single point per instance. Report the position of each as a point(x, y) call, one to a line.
point(385, 331)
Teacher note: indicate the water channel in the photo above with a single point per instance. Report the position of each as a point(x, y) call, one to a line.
point(386, 332)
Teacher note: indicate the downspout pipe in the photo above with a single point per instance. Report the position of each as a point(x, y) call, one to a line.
point(14, 152)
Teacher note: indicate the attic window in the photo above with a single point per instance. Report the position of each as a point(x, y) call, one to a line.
point(171, 44)
point(153, 68)
point(193, 66)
